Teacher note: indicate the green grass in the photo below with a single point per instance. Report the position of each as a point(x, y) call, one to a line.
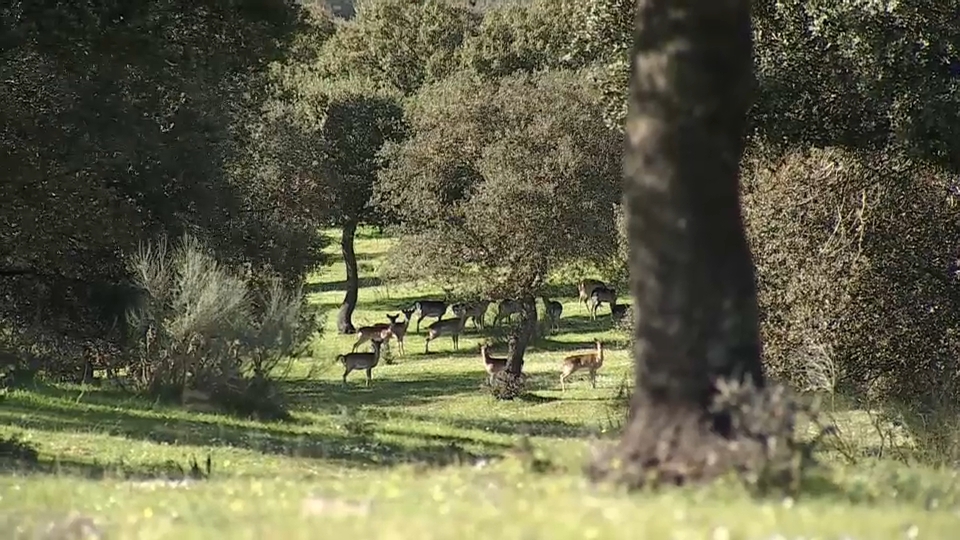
point(422, 453)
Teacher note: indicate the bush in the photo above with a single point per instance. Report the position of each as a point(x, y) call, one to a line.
point(203, 327)
point(856, 256)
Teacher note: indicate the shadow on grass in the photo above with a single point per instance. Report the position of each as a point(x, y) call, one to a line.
point(583, 323)
point(550, 345)
point(341, 285)
point(503, 426)
point(331, 397)
point(347, 448)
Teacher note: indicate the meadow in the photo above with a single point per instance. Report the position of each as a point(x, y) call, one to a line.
point(422, 453)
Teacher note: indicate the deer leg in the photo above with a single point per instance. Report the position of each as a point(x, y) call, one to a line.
point(563, 387)
point(345, 373)
point(369, 375)
point(456, 342)
point(420, 318)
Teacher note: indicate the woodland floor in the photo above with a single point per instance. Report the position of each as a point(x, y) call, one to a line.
point(422, 453)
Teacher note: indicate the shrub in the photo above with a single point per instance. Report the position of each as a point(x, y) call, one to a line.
point(205, 327)
point(856, 255)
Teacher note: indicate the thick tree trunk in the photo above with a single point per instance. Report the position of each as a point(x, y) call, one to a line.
point(523, 335)
point(691, 271)
point(345, 315)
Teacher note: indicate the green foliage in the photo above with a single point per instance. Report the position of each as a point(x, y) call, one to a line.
point(499, 183)
point(399, 44)
point(122, 121)
point(855, 277)
point(526, 38)
point(203, 326)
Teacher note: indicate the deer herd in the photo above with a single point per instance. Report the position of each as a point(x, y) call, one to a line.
point(592, 294)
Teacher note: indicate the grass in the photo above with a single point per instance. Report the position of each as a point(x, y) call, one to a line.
point(422, 453)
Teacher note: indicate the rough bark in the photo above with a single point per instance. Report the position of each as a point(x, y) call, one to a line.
point(522, 335)
point(691, 271)
point(345, 315)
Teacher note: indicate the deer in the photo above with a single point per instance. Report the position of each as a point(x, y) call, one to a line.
point(361, 360)
point(475, 310)
point(554, 311)
point(381, 331)
point(591, 362)
point(599, 296)
point(399, 330)
point(505, 309)
point(492, 364)
point(449, 327)
point(430, 308)
point(586, 288)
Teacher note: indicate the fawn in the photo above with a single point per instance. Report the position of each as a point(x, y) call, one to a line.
point(399, 330)
point(361, 360)
point(492, 364)
point(381, 331)
point(586, 287)
point(554, 310)
point(591, 361)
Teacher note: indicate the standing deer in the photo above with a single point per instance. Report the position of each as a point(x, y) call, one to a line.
point(554, 310)
point(505, 309)
point(586, 288)
point(449, 327)
point(591, 361)
point(474, 310)
point(399, 330)
point(381, 331)
point(430, 308)
point(491, 364)
point(599, 296)
point(361, 360)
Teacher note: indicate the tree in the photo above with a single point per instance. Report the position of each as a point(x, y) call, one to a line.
point(500, 182)
point(692, 276)
point(120, 123)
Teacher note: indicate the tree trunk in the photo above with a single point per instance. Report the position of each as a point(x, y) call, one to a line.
point(523, 334)
point(345, 315)
point(691, 270)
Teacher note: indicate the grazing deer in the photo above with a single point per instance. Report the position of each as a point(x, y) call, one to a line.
point(475, 310)
point(361, 360)
point(591, 361)
point(381, 331)
point(554, 311)
point(493, 365)
point(505, 309)
point(430, 308)
point(399, 330)
point(599, 296)
point(449, 327)
point(586, 288)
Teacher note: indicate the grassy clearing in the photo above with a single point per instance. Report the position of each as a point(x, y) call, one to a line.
point(422, 453)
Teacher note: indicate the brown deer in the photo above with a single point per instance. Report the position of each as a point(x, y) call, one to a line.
point(474, 310)
point(586, 288)
point(505, 309)
point(430, 308)
point(399, 330)
point(449, 327)
point(591, 362)
point(492, 364)
point(618, 311)
point(554, 310)
point(599, 296)
point(361, 360)
point(381, 331)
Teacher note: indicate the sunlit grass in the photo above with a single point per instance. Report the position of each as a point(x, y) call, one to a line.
point(422, 453)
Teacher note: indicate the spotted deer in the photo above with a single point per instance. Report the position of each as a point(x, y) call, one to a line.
point(591, 362)
point(361, 360)
point(399, 330)
point(554, 310)
point(381, 331)
point(505, 309)
point(492, 364)
point(599, 296)
point(475, 310)
point(586, 288)
point(449, 327)
point(429, 308)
